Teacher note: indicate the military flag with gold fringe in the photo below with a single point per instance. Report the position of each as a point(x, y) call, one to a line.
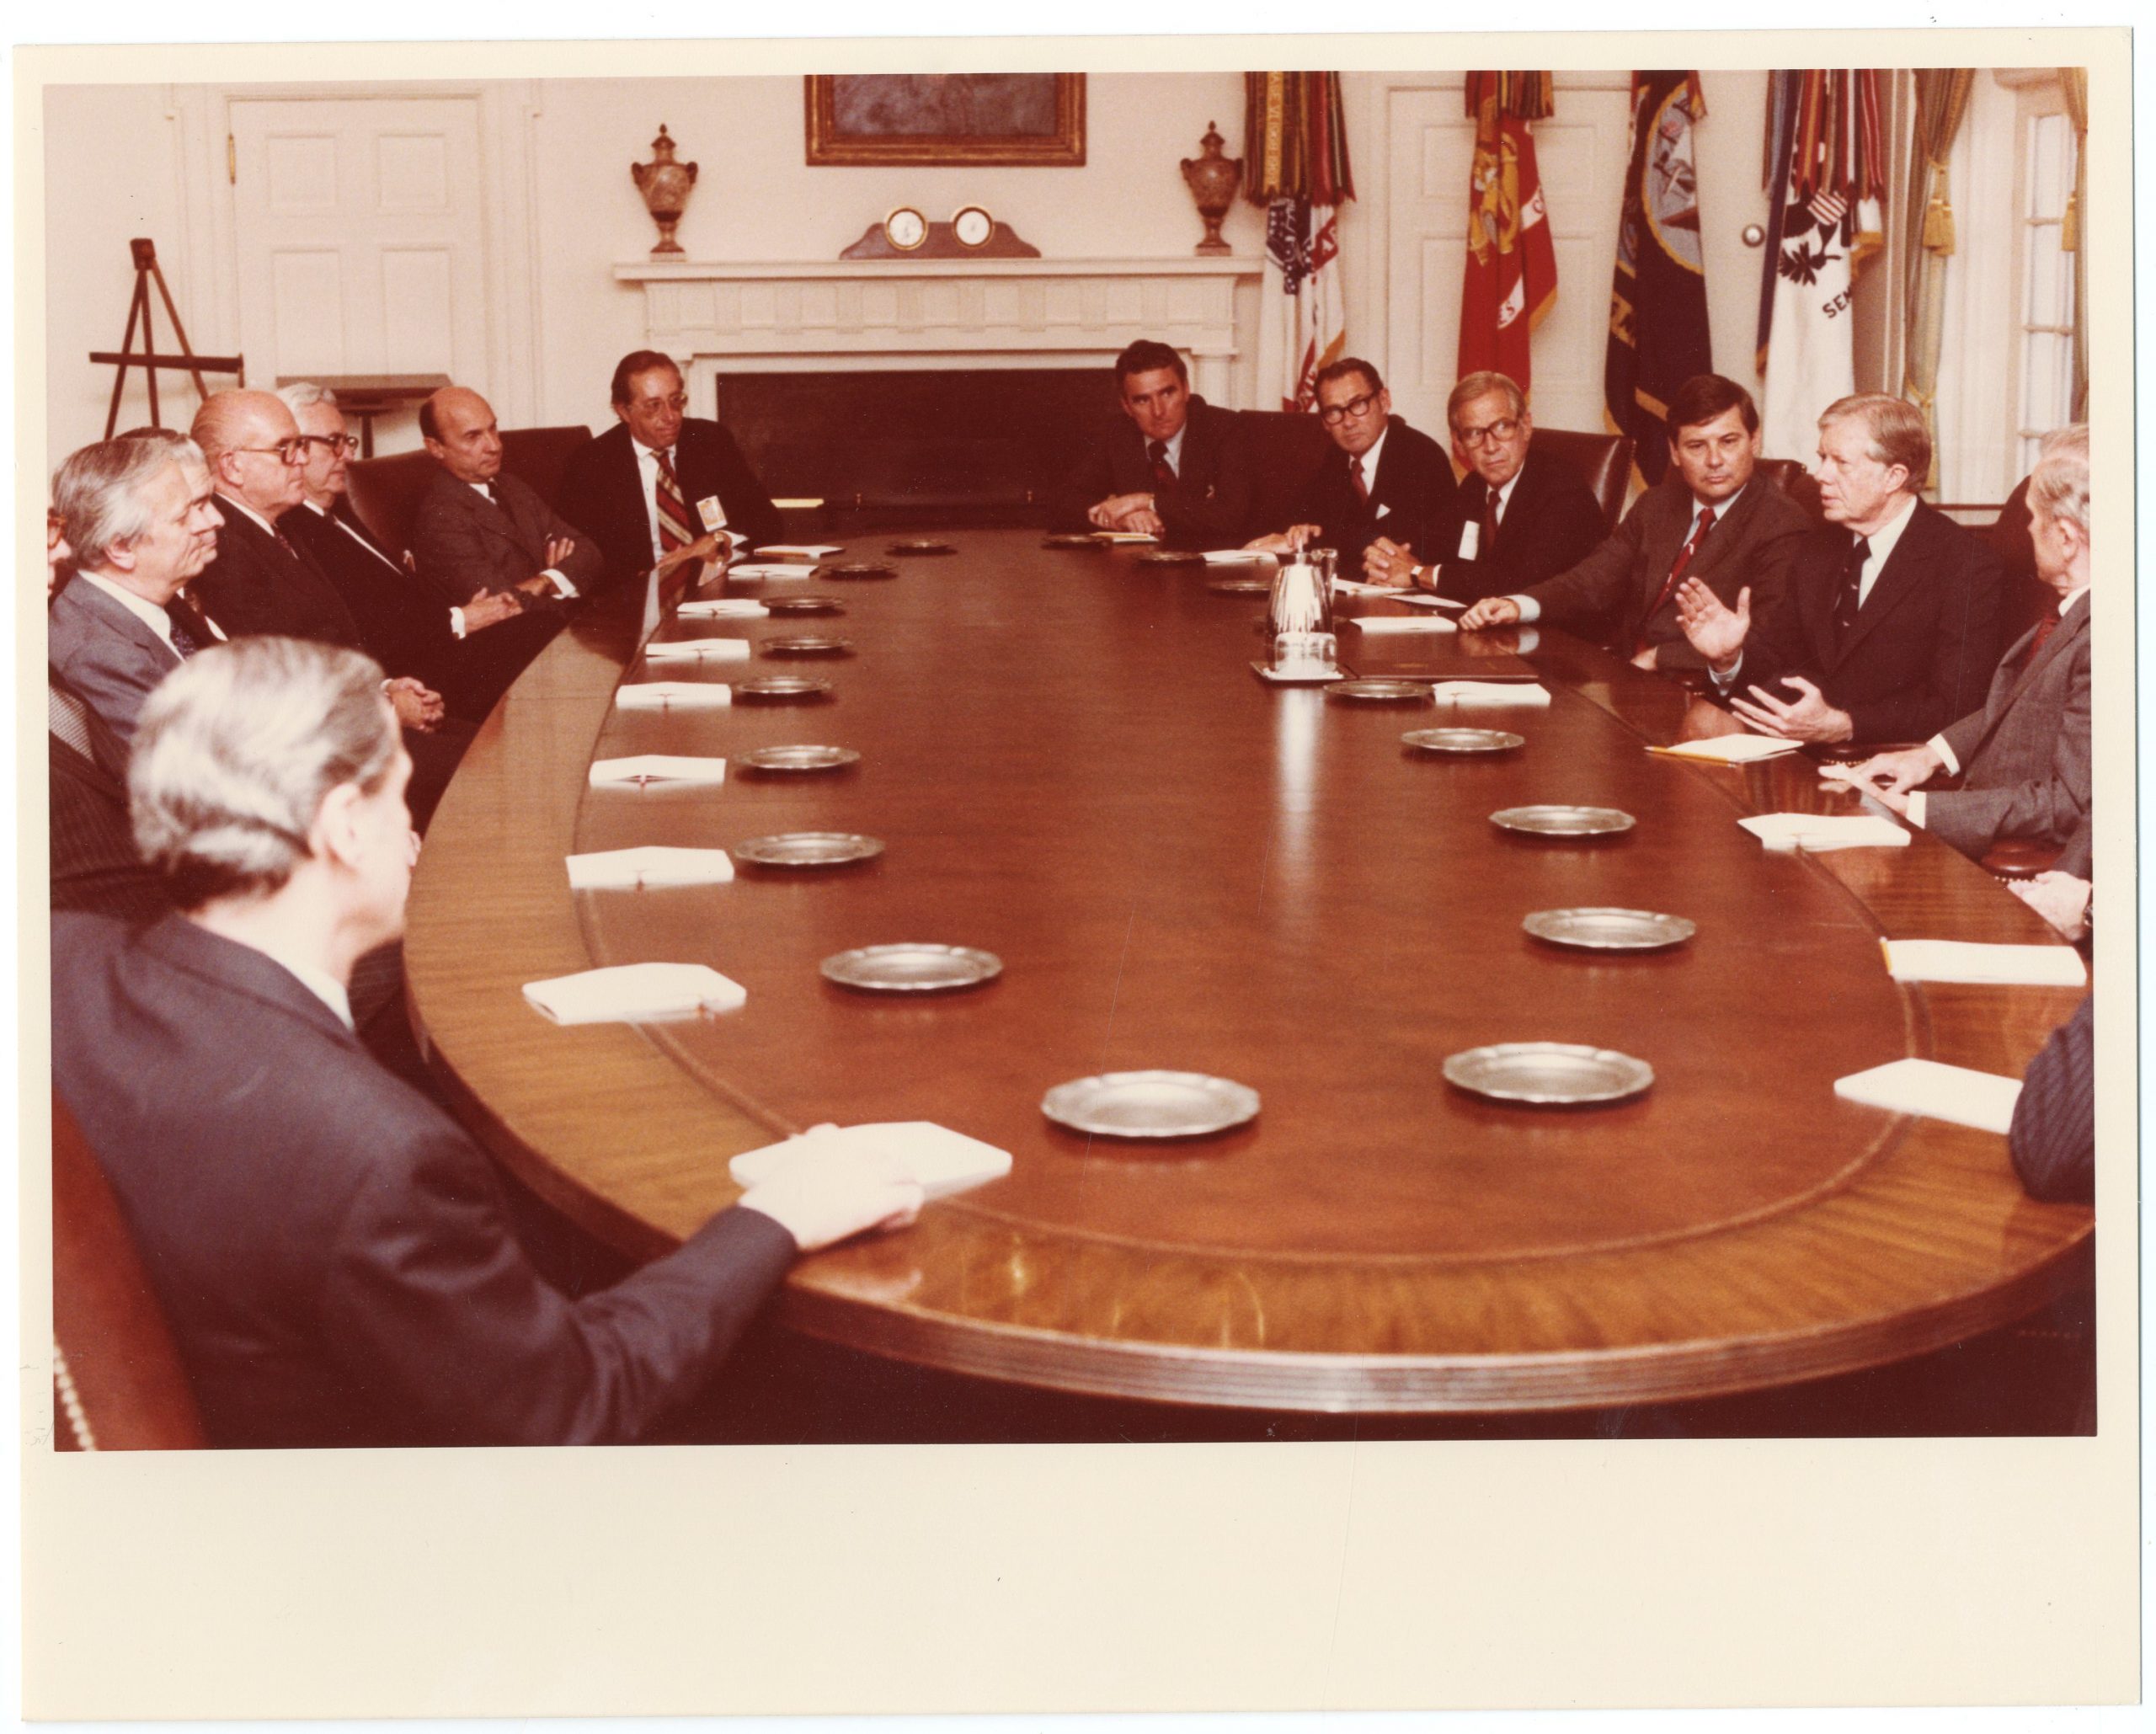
point(1511, 277)
point(1826, 201)
point(1658, 334)
point(1295, 145)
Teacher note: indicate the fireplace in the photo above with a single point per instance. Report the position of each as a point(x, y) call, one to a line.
point(895, 448)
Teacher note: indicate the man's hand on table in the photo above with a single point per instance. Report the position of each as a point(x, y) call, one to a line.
point(821, 1196)
point(1133, 514)
point(1889, 776)
point(1390, 563)
point(1809, 717)
point(2060, 899)
point(1490, 611)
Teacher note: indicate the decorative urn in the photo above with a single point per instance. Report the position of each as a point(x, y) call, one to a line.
point(1213, 179)
point(666, 185)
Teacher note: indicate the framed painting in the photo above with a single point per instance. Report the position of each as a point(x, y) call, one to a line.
point(1010, 118)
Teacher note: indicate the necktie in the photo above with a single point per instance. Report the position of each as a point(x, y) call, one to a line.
point(675, 531)
point(1845, 604)
point(1355, 475)
point(2044, 627)
point(1164, 475)
point(1487, 542)
point(1676, 572)
point(494, 493)
point(190, 632)
point(284, 541)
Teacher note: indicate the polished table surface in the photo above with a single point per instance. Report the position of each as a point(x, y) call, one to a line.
point(1072, 765)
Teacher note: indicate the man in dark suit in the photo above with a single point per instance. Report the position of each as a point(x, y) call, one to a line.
point(332, 1252)
point(469, 654)
point(143, 520)
point(1173, 467)
point(2053, 1138)
point(1524, 515)
point(2024, 759)
point(1382, 478)
point(478, 529)
point(1712, 520)
point(663, 486)
point(1888, 629)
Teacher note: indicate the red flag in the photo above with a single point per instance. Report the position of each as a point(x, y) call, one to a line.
point(1512, 267)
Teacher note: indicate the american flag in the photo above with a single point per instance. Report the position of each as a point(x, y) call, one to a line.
point(1303, 327)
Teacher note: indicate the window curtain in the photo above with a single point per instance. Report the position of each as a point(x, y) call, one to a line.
point(1942, 99)
point(2076, 81)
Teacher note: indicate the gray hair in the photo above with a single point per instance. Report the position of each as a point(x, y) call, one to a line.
point(1895, 428)
point(304, 394)
point(2058, 486)
point(100, 491)
point(1480, 385)
point(237, 750)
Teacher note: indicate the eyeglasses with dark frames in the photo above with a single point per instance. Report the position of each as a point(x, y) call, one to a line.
point(1499, 431)
point(349, 443)
point(1333, 414)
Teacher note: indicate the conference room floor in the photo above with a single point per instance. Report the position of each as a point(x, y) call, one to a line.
point(1072, 765)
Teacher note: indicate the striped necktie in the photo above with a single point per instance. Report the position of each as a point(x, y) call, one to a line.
point(675, 530)
point(1706, 522)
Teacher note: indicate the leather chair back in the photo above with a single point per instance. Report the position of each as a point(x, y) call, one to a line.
point(1796, 479)
point(385, 491)
point(118, 1385)
point(2026, 598)
point(1605, 461)
point(1286, 448)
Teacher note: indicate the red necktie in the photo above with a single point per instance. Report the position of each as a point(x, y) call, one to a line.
point(2044, 627)
point(1676, 572)
point(1355, 475)
point(1164, 475)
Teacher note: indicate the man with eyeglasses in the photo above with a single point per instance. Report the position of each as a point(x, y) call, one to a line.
point(1383, 480)
point(1172, 466)
point(1709, 519)
point(469, 654)
point(663, 489)
point(260, 582)
point(1523, 515)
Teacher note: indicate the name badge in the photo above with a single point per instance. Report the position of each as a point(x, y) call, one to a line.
point(712, 512)
point(1470, 540)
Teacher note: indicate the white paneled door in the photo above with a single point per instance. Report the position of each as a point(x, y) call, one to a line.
point(358, 226)
point(1580, 152)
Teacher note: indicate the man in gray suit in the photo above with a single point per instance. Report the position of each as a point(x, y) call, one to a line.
point(1711, 521)
point(480, 530)
point(142, 520)
point(2024, 759)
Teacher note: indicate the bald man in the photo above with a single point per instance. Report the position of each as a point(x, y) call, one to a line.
point(260, 582)
point(478, 530)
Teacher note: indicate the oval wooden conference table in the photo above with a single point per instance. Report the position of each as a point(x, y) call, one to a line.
point(1072, 765)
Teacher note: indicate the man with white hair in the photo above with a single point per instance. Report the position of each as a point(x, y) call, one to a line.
point(142, 520)
point(332, 1251)
point(2024, 758)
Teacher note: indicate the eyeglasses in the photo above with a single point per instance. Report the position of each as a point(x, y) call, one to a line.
point(1500, 431)
point(349, 443)
point(679, 400)
point(1333, 414)
point(285, 451)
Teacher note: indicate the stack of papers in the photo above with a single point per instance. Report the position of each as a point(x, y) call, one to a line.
point(1482, 692)
point(724, 608)
point(1983, 1100)
point(641, 770)
point(652, 864)
point(2001, 965)
point(800, 550)
point(1423, 599)
point(1403, 623)
point(938, 1159)
point(1821, 832)
point(635, 993)
point(672, 694)
point(1356, 587)
point(697, 650)
point(1730, 749)
point(1234, 556)
point(1123, 535)
point(768, 568)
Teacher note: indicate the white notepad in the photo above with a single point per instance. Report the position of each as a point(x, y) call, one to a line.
point(1234, 556)
point(767, 569)
point(1423, 599)
point(1730, 748)
point(697, 650)
point(724, 608)
point(650, 864)
point(1818, 832)
point(635, 993)
point(673, 695)
point(803, 550)
point(936, 1158)
point(640, 769)
point(1402, 623)
point(1998, 965)
point(1490, 692)
point(1984, 1100)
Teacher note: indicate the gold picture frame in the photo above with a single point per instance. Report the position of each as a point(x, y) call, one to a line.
point(1012, 120)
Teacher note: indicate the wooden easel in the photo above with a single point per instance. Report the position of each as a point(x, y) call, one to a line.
point(146, 268)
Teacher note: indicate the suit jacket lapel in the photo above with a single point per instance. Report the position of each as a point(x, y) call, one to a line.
point(110, 616)
point(1904, 570)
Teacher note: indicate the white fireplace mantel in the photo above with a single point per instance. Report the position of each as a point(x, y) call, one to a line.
point(813, 315)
